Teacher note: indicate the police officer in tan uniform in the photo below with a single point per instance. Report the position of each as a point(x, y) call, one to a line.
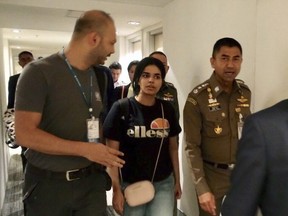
point(213, 118)
point(168, 91)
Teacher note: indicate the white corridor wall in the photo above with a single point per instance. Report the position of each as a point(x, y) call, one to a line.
point(191, 27)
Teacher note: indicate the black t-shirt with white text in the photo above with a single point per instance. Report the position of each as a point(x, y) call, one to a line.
point(140, 134)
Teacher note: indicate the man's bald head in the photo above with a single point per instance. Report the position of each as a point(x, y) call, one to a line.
point(89, 21)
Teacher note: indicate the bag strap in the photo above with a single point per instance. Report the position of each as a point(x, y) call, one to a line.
point(160, 144)
point(124, 110)
point(124, 106)
point(122, 91)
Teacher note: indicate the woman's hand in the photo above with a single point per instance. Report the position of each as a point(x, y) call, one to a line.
point(118, 201)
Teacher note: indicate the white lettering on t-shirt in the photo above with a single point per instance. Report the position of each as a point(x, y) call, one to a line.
point(141, 132)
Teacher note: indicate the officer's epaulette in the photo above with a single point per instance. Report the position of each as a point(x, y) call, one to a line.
point(242, 84)
point(200, 88)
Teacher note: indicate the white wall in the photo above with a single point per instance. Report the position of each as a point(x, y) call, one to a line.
point(4, 153)
point(191, 27)
point(271, 53)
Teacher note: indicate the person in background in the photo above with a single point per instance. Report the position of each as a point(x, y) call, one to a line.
point(260, 176)
point(58, 105)
point(214, 113)
point(158, 124)
point(116, 70)
point(104, 76)
point(24, 58)
point(168, 91)
point(126, 90)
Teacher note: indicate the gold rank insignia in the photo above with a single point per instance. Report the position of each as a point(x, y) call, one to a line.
point(213, 104)
point(238, 110)
point(199, 88)
point(210, 97)
point(243, 105)
point(244, 102)
point(168, 97)
point(209, 93)
point(242, 99)
point(218, 130)
point(211, 100)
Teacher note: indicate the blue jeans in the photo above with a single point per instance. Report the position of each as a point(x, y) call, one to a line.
point(161, 205)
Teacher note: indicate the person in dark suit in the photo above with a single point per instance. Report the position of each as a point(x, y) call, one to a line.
point(261, 173)
point(24, 58)
point(104, 76)
point(126, 90)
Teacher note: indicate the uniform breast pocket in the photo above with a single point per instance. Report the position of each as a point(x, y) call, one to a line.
point(215, 124)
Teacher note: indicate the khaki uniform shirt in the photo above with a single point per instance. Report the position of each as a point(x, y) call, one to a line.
point(211, 121)
point(169, 93)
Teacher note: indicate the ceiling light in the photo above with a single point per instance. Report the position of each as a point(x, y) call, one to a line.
point(16, 30)
point(134, 23)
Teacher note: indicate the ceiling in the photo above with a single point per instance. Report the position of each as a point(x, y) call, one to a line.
point(46, 25)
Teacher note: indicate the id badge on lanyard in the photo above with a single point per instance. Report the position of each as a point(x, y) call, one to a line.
point(93, 134)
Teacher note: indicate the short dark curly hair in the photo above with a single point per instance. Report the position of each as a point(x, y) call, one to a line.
point(115, 65)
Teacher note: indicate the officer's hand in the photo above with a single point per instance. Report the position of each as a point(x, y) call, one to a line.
point(207, 203)
point(104, 155)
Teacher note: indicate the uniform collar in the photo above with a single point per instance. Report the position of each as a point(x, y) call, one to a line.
point(216, 87)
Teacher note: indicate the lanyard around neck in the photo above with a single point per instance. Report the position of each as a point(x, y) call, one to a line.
point(87, 100)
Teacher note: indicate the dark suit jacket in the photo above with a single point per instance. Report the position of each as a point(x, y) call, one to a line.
point(12, 90)
point(260, 177)
point(118, 92)
point(105, 82)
